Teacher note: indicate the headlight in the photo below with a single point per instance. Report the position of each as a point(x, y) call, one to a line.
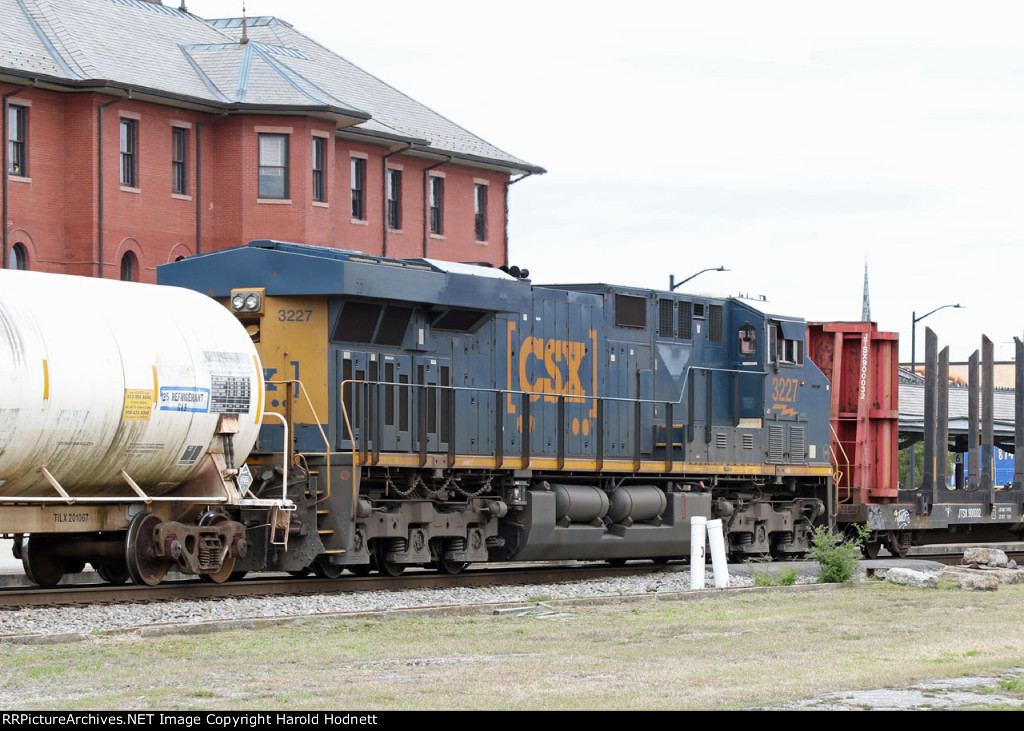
point(247, 301)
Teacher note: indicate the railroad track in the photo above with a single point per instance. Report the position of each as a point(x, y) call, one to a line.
point(86, 592)
point(264, 585)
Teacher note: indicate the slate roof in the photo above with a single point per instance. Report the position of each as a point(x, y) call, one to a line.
point(162, 53)
point(912, 409)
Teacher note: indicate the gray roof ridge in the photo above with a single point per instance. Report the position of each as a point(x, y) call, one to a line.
point(278, 64)
point(243, 73)
point(207, 81)
point(51, 43)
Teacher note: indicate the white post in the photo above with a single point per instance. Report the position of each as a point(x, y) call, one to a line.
point(718, 562)
point(697, 524)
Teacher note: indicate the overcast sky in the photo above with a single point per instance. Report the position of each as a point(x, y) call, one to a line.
point(787, 141)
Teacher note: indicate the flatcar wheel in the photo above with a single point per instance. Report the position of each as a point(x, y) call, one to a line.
point(40, 561)
point(385, 567)
point(898, 543)
point(116, 574)
point(325, 570)
point(139, 551)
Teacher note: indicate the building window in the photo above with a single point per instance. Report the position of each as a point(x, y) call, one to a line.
point(179, 160)
point(129, 150)
point(436, 205)
point(480, 209)
point(358, 189)
point(395, 199)
point(17, 125)
point(319, 169)
point(129, 267)
point(17, 258)
point(273, 172)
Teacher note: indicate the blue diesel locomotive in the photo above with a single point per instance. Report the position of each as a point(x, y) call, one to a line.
point(433, 413)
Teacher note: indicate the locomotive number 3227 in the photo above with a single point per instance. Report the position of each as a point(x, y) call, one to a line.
point(784, 389)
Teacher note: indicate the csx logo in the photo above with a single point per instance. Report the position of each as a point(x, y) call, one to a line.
point(549, 367)
point(558, 360)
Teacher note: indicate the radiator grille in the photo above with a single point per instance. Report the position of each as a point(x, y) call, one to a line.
point(776, 443)
point(797, 443)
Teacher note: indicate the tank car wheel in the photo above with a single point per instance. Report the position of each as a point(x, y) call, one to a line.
point(143, 567)
point(116, 574)
point(41, 564)
point(227, 568)
point(325, 570)
point(385, 567)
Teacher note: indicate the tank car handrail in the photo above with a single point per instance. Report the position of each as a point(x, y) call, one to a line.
point(141, 496)
point(72, 500)
point(284, 475)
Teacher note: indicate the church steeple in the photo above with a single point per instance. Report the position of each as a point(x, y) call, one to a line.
point(865, 313)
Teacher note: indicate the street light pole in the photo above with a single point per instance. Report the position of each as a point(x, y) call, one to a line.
point(913, 369)
point(673, 284)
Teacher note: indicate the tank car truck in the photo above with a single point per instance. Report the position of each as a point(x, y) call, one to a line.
point(126, 411)
point(440, 414)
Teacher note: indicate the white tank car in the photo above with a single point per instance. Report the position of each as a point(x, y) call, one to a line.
point(103, 379)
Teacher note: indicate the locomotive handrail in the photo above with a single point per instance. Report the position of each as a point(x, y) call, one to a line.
point(319, 426)
point(365, 403)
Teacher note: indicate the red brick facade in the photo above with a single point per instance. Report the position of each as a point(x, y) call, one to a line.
point(66, 221)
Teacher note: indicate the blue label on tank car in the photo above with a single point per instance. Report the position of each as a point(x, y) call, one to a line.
point(173, 398)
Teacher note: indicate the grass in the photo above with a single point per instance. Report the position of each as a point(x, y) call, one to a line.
point(729, 650)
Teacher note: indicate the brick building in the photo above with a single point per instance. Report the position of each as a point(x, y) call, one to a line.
point(138, 133)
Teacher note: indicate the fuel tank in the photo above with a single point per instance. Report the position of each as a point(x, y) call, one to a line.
point(99, 376)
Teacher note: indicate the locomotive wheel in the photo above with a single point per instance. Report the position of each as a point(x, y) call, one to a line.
point(116, 574)
point(139, 551)
point(325, 570)
point(450, 567)
point(227, 567)
point(385, 567)
point(40, 561)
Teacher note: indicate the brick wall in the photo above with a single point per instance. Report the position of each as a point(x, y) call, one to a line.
point(53, 211)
